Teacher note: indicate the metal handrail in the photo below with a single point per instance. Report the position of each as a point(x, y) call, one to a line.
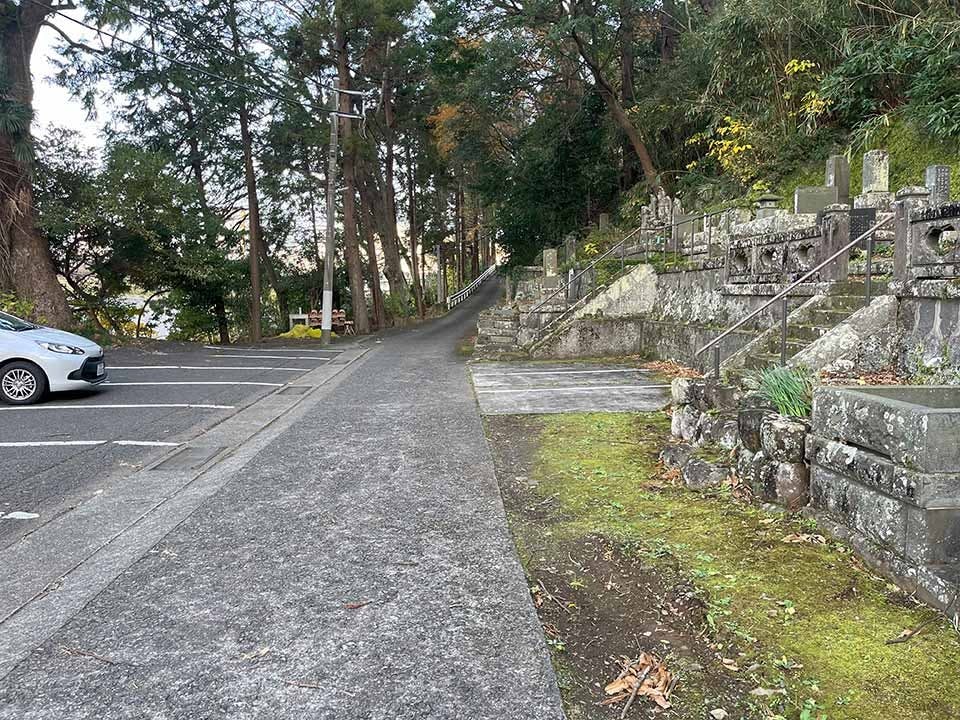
point(673, 226)
point(796, 283)
point(461, 295)
point(587, 269)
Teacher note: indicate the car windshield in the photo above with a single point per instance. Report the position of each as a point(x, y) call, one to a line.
point(10, 322)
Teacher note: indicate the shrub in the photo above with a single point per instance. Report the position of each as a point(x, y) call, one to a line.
point(789, 390)
point(10, 303)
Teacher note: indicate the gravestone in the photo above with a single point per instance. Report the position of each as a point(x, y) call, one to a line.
point(685, 229)
point(550, 264)
point(876, 171)
point(837, 176)
point(814, 199)
point(604, 221)
point(861, 220)
point(570, 246)
point(936, 178)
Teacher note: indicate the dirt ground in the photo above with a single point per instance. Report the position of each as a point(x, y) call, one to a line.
point(599, 601)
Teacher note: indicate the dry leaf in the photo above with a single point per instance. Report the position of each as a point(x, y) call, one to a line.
point(355, 605)
point(805, 538)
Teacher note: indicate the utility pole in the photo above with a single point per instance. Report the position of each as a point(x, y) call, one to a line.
point(326, 320)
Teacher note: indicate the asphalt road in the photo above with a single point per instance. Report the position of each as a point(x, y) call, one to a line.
point(56, 454)
point(356, 566)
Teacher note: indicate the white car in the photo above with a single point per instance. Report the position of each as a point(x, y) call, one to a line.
point(36, 359)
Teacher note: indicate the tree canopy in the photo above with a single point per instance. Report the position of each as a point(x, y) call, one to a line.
point(500, 123)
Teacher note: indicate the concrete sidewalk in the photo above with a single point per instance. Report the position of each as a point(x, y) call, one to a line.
point(358, 567)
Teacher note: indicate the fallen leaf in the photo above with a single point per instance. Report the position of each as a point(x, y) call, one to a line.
point(805, 538)
point(355, 605)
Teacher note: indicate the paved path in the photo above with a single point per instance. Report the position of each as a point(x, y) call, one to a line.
point(523, 388)
point(359, 566)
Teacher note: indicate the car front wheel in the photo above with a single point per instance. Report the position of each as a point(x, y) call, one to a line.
point(22, 383)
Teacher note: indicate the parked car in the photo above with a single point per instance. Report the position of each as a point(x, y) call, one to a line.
point(36, 359)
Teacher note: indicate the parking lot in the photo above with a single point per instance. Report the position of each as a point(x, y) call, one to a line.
point(54, 454)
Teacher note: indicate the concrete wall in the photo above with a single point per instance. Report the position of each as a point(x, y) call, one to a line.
point(632, 294)
point(638, 335)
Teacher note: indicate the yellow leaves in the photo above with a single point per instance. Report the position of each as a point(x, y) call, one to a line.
point(731, 148)
point(812, 104)
point(798, 67)
point(443, 128)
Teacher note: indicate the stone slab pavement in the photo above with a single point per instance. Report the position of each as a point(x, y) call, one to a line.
point(523, 388)
point(358, 566)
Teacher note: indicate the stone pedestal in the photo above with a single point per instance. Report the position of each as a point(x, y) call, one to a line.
point(885, 462)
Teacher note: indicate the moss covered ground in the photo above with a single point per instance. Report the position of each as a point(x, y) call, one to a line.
point(910, 153)
point(809, 622)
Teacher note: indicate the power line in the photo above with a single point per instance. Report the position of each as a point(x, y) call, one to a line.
point(189, 66)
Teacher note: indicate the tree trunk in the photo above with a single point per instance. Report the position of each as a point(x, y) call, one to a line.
point(351, 245)
point(389, 238)
point(669, 33)
point(619, 114)
point(629, 168)
point(475, 242)
point(283, 300)
point(253, 202)
point(196, 168)
point(223, 327)
point(367, 224)
point(412, 223)
point(458, 233)
point(26, 265)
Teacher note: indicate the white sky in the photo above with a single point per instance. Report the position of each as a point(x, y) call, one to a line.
point(52, 103)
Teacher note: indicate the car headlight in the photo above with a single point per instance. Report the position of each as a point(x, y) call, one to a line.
point(61, 348)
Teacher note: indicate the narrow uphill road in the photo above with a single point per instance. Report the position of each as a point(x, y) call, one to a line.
point(358, 567)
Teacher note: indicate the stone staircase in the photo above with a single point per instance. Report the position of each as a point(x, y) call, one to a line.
point(806, 324)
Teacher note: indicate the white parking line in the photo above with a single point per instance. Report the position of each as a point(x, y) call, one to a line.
point(146, 443)
point(51, 443)
point(585, 388)
point(275, 357)
point(204, 367)
point(80, 406)
point(197, 382)
point(72, 443)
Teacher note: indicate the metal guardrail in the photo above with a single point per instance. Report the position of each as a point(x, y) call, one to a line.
point(461, 295)
point(783, 294)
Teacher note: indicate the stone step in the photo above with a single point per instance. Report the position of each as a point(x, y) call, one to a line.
point(807, 332)
point(759, 361)
point(489, 324)
point(846, 303)
point(827, 318)
point(794, 345)
point(857, 287)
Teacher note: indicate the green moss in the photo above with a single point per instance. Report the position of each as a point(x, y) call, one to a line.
point(784, 604)
point(911, 151)
point(714, 454)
